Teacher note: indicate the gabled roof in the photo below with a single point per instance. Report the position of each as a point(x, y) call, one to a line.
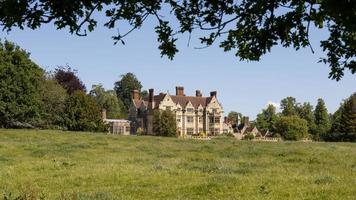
point(196, 101)
point(181, 100)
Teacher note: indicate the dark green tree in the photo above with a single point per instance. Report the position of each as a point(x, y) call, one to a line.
point(54, 97)
point(250, 28)
point(234, 118)
point(164, 123)
point(305, 111)
point(266, 119)
point(322, 121)
point(20, 80)
point(289, 106)
point(124, 88)
point(107, 99)
point(83, 114)
point(292, 127)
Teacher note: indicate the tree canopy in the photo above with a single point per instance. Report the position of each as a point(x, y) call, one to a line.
point(67, 77)
point(266, 120)
point(125, 86)
point(249, 28)
point(107, 99)
point(20, 80)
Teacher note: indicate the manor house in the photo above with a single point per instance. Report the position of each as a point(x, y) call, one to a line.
point(194, 114)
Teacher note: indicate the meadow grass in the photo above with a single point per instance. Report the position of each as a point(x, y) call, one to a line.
point(71, 165)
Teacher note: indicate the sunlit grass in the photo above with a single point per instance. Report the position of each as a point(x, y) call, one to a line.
point(68, 165)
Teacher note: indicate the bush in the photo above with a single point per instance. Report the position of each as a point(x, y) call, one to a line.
point(83, 114)
point(292, 127)
point(249, 136)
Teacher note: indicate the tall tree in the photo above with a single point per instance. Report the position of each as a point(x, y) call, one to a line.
point(20, 80)
point(289, 106)
point(234, 118)
point(266, 119)
point(83, 114)
point(125, 86)
point(305, 111)
point(68, 78)
point(250, 28)
point(348, 118)
point(322, 120)
point(54, 97)
point(108, 100)
point(164, 123)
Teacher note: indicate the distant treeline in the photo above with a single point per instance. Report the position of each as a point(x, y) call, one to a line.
point(33, 98)
point(298, 121)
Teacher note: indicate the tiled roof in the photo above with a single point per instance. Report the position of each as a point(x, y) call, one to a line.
point(181, 100)
point(196, 101)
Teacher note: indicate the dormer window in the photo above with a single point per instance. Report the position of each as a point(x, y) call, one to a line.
point(190, 110)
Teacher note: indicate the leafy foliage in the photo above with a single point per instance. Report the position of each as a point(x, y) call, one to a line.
point(108, 100)
point(344, 122)
point(20, 78)
point(250, 28)
point(69, 80)
point(292, 127)
point(82, 113)
point(305, 111)
point(124, 88)
point(164, 123)
point(266, 120)
point(54, 97)
point(289, 106)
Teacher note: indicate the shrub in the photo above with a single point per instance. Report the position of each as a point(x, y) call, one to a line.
point(292, 127)
point(249, 136)
point(83, 114)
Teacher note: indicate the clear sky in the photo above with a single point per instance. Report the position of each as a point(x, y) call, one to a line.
point(242, 86)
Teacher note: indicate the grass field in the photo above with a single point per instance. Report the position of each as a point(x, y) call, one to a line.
point(67, 165)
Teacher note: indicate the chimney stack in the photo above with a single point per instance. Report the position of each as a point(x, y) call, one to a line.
point(150, 95)
point(213, 94)
point(246, 121)
point(103, 114)
point(180, 91)
point(198, 93)
point(135, 94)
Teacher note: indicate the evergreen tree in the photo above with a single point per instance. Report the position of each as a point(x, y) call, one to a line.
point(266, 119)
point(164, 123)
point(348, 118)
point(124, 88)
point(322, 121)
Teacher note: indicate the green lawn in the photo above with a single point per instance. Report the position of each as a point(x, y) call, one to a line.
point(68, 165)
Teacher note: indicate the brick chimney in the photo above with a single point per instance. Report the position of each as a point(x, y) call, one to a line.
point(246, 121)
point(180, 91)
point(103, 114)
point(198, 93)
point(150, 98)
point(213, 94)
point(135, 94)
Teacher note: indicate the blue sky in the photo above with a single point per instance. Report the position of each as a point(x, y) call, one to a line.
point(242, 86)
